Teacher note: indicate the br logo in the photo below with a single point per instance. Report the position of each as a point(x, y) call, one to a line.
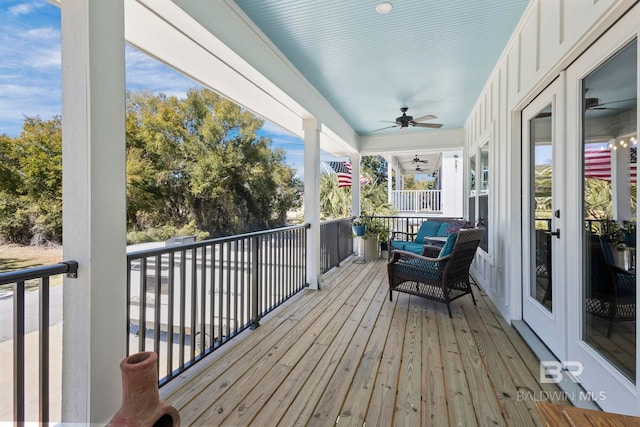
point(551, 371)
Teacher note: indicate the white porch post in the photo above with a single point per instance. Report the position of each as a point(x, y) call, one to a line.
point(355, 184)
point(389, 178)
point(94, 221)
point(312, 198)
point(621, 202)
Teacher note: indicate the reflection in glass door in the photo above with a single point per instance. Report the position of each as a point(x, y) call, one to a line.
point(541, 193)
point(609, 108)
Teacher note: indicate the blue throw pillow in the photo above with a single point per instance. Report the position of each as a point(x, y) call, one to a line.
point(443, 231)
point(427, 228)
point(448, 245)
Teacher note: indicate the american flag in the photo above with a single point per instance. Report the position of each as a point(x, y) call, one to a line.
point(343, 170)
point(597, 164)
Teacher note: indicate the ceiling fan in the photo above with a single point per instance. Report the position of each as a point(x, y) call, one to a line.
point(595, 104)
point(417, 160)
point(405, 121)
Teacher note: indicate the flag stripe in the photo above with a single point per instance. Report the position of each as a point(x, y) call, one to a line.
point(597, 165)
point(343, 171)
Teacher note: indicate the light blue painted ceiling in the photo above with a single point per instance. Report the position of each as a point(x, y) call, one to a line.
point(433, 56)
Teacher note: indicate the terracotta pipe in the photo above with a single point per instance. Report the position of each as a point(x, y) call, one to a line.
point(141, 404)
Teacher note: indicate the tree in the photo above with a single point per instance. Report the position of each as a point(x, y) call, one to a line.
point(375, 167)
point(210, 166)
point(31, 183)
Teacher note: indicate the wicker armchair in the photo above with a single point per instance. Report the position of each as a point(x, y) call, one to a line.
point(440, 278)
point(611, 290)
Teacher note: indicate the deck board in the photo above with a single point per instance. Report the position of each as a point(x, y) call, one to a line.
point(346, 355)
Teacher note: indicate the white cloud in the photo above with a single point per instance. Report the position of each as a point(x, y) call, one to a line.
point(25, 8)
point(42, 34)
point(146, 73)
point(274, 129)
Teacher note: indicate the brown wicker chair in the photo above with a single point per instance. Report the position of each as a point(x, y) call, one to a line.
point(610, 290)
point(440, 279)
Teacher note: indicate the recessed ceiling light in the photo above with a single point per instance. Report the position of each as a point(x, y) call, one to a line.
point(384, 7)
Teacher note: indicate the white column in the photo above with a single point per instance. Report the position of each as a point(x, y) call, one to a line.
point(94, 219)
point(312, 198)
point(355, 184)
point(389, 178)
point(621, 202)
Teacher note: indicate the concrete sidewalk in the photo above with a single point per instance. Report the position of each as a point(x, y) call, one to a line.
point(31, 386)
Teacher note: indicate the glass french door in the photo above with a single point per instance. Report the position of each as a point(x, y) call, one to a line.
point(543, 292)
point(602, 194)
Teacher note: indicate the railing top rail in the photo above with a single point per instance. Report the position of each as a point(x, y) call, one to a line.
point(349, 218)
point(179, 248)
point(66, 267)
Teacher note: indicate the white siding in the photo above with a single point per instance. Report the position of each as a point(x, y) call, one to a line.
point(551, 34)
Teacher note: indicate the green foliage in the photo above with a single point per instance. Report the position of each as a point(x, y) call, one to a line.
point(165, 232)
point(31, 183)
point(200, 160)
point(335, 202)
point(411, 183)
point(192, 164)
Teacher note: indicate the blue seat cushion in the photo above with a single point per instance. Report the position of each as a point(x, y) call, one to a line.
point(418, 267)
point(608, 253)
point(427, 228)
point(443, 231)
point(398, 244)
point(416, 248)
point(448, 245)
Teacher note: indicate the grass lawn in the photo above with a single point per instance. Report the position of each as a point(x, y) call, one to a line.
point(18, 257)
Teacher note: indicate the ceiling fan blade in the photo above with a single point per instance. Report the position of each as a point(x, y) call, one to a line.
point(386, 121)
point(386, 127)
point(427, 117)
point(429, 125)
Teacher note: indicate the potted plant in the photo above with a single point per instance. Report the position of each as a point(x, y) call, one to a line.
point(359, 226)
point(612, 235)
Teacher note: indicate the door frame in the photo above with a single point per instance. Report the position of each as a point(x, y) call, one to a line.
point(550, 326)
point(599, 375)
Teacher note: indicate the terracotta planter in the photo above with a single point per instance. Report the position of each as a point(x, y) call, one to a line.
point(141, 404)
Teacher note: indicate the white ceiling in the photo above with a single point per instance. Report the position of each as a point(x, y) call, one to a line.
point(433, 56)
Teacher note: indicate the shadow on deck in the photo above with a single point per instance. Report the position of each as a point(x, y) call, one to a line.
point(346, 355)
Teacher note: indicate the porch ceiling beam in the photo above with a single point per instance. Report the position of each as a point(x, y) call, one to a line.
point(435, 141)
point(217, 45)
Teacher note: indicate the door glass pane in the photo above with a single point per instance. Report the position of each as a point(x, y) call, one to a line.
point(541, 197)
point(609, 207)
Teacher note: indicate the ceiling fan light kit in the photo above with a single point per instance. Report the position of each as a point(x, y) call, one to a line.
point(404, 121)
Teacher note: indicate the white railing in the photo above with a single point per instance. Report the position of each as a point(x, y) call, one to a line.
point(416, 200)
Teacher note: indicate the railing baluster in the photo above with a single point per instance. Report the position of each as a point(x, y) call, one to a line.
point(18, 352)
point(228, 289)
point(142, 303)
point(43, 376)
point(221, 336)
point(212, 299)
point(203, 301)
point(157, 305)
point(194, 294)
point(183, 302)
point(170, 308)
point(255, 254)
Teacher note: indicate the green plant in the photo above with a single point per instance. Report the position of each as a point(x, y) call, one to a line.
point(611, 231)
point(375, 227)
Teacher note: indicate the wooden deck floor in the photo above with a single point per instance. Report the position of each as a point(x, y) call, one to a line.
point(346, 355)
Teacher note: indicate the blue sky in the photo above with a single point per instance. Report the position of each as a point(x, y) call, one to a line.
point(30, 73)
